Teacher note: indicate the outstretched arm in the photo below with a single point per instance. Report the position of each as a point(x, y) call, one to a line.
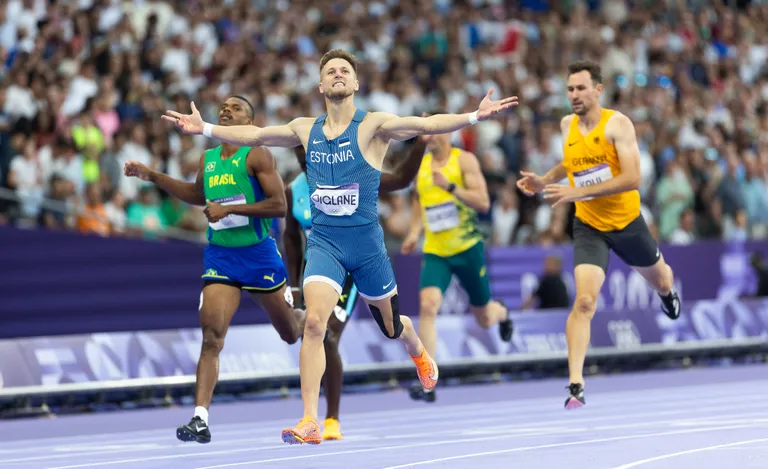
point(406, 171)
point(251, 136)
point(192, 193)
point(392, 127)
point(241, 135)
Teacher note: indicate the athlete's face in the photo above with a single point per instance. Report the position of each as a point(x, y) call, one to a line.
point(583, 93)
point(338, 80)
point(234, 111)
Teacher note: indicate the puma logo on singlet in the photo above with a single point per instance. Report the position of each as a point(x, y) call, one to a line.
point(271, 278)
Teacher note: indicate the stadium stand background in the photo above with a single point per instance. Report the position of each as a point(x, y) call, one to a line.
point(84, 84)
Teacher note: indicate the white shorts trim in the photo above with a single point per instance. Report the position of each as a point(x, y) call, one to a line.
point(376, 298)
point(323, 279)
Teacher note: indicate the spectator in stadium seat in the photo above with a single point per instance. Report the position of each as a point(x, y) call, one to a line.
point(54, 215)
point(505, 216)
point(145, 217)
point(93, 218)
point(673, 194)
point(26, 177)
point(684, 233)
point(552, 292)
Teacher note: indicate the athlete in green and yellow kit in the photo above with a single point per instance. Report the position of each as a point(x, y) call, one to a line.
point(451, 190)
point(242, 192)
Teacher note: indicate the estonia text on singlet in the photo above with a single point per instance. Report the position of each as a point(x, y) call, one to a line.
point(343, 187)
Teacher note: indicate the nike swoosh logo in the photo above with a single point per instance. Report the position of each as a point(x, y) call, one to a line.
point(199, 428)
point(436, 373)
point(572, 144)
point(390, 283)
point(315, 142)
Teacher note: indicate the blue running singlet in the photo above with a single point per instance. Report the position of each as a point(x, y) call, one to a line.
point(345, 235)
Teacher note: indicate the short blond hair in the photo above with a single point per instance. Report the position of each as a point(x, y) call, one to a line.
point(339, 54)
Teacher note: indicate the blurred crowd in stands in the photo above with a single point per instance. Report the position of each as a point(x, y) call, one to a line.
point(84, 84)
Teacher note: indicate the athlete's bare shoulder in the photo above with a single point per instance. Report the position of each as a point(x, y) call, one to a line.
point(618, 124)
point(301, 127)
point(565, 123)
point(377, 118)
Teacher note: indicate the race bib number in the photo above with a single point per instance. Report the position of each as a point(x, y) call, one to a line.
point(337, 201)
point(592, 176)
point(230, 221)
point(442, 217)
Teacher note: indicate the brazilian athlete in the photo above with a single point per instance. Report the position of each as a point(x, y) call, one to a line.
point(602, 163)
point(242, 192)
point(298, 221)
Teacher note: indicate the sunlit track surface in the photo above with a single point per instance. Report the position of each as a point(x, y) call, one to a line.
point(710, 418)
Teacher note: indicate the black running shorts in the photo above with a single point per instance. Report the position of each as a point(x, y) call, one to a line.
point(633, 244)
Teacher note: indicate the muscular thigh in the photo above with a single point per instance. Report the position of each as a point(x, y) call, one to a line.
point(436, 272)
point(218, 304)
point(472, 272)
point(277, 306)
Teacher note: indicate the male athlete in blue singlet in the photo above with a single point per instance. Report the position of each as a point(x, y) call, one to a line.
point(298, 222)
point(345, 151)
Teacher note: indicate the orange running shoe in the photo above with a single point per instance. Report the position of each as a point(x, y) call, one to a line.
point(332, 430)
point(426, 368)
point(307, 431)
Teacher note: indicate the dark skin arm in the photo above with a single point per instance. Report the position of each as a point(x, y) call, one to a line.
point(406, 171)
point(188, 192)
point(262, 166)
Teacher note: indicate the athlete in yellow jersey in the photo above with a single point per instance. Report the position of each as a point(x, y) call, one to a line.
point(602, 163)
point(451, 190)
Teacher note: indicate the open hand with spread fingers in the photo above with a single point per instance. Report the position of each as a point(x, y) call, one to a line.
point(489, 109)
point(188, 123)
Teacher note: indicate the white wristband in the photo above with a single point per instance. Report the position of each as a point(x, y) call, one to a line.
point(207, 129)
point(473, 118)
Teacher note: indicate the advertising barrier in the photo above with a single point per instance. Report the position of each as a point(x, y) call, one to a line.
point(258, 352)
point(81, 310)
point(57, 283)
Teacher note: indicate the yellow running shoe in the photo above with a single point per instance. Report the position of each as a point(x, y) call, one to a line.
point(307, 431)
point(332, 430)
point(426, 368)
